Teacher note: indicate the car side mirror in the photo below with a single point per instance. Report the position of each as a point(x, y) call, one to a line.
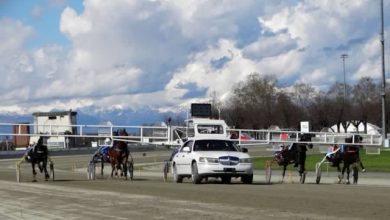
point(244, 150)
point(186, 149)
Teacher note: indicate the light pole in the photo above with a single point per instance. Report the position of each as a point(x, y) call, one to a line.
point(383, 78)
point(344, 56)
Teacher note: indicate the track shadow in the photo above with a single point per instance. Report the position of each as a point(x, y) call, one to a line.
point(139, 179)
point(70, 180)
point(57, 180)
point(262, 184)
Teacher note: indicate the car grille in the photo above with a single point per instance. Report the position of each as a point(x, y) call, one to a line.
point(229, 160)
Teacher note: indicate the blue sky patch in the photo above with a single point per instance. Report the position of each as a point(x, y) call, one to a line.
point(219, 63)
point(43, 16)
point(193, 91)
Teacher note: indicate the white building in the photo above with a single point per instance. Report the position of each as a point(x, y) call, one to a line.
point(61, 122)
point(371, 129)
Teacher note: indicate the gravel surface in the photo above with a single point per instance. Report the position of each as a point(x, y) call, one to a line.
point(72, 196)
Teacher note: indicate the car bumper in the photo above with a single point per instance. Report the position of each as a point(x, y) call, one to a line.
point(206, 169)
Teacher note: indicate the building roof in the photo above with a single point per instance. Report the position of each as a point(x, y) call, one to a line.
point(57, 113)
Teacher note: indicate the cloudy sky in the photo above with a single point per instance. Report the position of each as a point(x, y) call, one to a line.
point(99, 55)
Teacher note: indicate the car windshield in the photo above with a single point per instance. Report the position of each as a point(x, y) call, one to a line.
point(214, 145)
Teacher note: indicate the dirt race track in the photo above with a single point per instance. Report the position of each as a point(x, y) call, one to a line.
point(72, 196)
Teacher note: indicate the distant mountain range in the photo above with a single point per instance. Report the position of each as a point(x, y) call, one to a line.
point(116, 117)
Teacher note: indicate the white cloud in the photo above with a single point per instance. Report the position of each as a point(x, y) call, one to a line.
point(268, 46)
point(13, 35)
point(72, 24)
point(317, 78)
point(324, 23)
point(132, 54)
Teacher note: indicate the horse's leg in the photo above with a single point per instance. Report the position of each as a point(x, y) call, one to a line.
point(44, 165)
point(302, 159)
point(284, 171)
point(124, 166)
point(112, 168)
point(33, 171)
point(340, 177)
point(102, 167)
point(348, 171)
point(362, 166)
point(120, 166)
point(360, 163)
point(40, 166)
point(343, 171)
point(117, 167)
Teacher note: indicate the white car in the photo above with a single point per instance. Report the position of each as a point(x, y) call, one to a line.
point(200, 158)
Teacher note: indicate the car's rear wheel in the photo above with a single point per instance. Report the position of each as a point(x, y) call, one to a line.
point(196, 178)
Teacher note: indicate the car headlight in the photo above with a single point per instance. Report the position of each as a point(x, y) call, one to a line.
point(208, 160)
point(245, 160)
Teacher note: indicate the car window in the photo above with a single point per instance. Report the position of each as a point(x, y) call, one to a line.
point(214, 145)
point(210, 129)
point(187, 144)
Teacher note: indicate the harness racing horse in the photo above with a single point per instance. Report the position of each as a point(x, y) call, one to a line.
point(37, 155)
point(349, 156)
point(293, 154)
point(118, 156)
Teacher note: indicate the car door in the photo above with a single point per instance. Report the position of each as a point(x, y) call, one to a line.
point(183, 158)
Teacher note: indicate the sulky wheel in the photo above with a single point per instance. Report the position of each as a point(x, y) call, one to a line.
point(91, 170)
point(51, 171)
point(17, 173)
point(130, 170)
point(268, 172)
point(303, 178)
point(166, 170)
point(318, 173)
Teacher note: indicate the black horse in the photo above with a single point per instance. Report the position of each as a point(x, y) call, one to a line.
point(349, 156)
point(38, 155)
point(292, 154)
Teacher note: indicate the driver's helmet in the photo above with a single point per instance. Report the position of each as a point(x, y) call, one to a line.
point(107, 141)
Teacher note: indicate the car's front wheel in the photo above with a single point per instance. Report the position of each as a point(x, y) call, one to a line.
point(176, 177)
point(196, 178)
point(226, 179)
point(248, 179)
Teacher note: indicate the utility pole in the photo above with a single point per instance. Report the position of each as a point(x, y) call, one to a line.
point(343, 57)
point(384, 135)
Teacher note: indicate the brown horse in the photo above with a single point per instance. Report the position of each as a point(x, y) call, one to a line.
point(118, 154)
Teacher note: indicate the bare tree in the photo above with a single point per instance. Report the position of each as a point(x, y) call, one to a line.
point(254, 101)
point(340, 106)
point(365, 101)
point(257, 103)
point(288, 115)
point(304, 95)
point(215, 105)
